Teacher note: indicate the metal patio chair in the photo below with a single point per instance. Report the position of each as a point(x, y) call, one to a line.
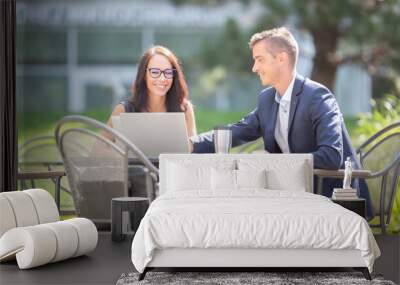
point(381, 155)
point(97, 168)
point(37, 157)
point(39, 153)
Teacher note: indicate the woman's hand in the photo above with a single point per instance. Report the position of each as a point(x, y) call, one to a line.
point(190, 120)
point(116, 112)
point(190, 144)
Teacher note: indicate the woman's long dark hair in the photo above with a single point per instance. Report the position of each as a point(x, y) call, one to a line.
point(177, 95)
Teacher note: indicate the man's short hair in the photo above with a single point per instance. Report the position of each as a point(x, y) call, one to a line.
point(279, 39)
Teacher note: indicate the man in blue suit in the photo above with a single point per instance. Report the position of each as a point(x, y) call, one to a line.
point(294, 114)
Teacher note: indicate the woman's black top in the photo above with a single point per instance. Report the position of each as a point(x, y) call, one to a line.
point(128, 105)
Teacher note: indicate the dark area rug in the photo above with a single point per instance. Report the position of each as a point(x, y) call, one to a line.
point(228, 278)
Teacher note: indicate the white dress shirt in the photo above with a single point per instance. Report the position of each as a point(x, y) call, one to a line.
point(282, 118)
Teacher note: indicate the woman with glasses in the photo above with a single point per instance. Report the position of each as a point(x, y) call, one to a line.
point(159, 86)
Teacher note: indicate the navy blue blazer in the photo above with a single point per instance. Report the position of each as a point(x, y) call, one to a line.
point(315, 126)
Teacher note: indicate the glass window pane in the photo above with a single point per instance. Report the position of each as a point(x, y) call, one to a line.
point(184, 44)
point(41, 45)
point(41, 94)
point(98, 97)
point(102, 45)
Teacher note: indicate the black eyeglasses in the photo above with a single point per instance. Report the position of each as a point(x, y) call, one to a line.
point(156, 72)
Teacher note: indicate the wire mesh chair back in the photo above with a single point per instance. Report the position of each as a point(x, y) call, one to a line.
point(96, 166)
point(381, 155)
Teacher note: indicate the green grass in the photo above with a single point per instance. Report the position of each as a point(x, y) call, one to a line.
point(44, 123)
point(32, 124)
point(207, 120)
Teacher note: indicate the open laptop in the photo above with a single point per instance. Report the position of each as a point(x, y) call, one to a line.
point(154, 133)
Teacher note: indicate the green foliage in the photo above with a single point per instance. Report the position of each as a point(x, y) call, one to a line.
point(229, 50)
point(373, 22)
point(364, 32)
point(226, 65)
point(209, 82)
point(385, 111)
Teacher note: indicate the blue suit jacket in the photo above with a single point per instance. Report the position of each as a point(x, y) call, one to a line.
point(315, 126)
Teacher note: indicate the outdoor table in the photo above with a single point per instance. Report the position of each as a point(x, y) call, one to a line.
point(57, 175)
point(325, 173)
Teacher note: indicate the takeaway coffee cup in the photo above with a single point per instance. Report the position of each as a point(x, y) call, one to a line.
point(222, 139)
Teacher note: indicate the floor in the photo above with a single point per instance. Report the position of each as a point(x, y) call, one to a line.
point(111, 259)
point(389, 263)
point(103, 266)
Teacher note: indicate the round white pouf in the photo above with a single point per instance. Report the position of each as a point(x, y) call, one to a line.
point(52, 242)
point(87, 235)
point(33, 246)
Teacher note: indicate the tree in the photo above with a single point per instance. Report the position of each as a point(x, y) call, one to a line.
point(229, 49)
point(359, 31)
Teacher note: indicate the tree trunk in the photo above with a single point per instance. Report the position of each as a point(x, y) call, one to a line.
point(324, 68)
